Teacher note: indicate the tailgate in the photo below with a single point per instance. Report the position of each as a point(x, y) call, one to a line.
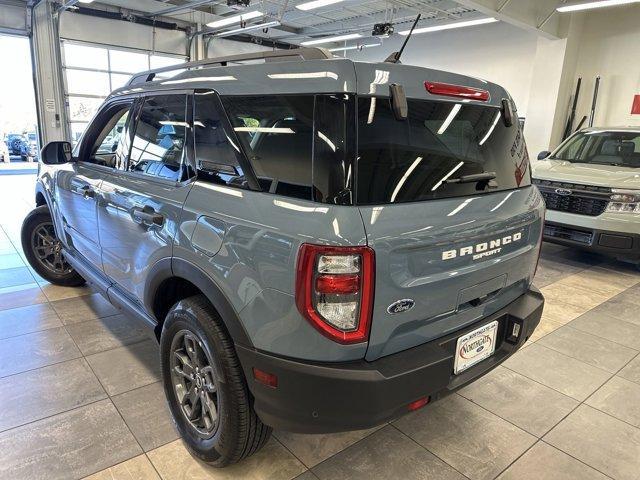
point(456, 259)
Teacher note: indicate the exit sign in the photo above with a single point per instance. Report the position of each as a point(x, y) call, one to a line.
point(635, 108)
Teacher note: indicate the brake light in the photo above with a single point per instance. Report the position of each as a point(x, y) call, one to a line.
point(449, 90)
point(334, 290)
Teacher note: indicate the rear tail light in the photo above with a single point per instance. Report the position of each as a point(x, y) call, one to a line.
point(334, 290)
point(449, 90)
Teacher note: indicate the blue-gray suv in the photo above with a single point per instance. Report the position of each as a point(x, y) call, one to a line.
point(319, 245)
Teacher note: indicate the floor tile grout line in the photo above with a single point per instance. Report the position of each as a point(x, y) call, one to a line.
point(345, 448)
point(146, 454)
point(426, 449)
point(576, 459)
point(552, 388)
point(501, 417)
point(113, 404)
point(69, 359)
point(568, 325)
point(62, 412)
point(571, 412)
point(294, 455)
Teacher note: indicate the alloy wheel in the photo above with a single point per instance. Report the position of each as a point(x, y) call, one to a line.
point(194, 382)
point(48, 249)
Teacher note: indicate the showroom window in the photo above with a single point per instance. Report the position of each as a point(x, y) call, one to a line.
point(91, 72)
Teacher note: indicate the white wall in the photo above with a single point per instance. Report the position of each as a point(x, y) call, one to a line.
point(610, 47)
point(85, 28)
point(13, 19)
point(500, 53)
point(220, 47)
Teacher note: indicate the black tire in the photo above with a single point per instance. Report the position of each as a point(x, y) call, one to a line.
point(237, 432)
point(37, 219)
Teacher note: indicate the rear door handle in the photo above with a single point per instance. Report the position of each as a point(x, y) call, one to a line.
point(147, 215)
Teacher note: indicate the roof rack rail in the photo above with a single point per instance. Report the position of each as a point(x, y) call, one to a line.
point(302, 53)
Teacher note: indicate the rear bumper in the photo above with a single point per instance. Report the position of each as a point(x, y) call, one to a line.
point(621, 245)
point(333, 397)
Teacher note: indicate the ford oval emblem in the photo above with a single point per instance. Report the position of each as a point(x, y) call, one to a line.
point(563, 191)
point(400, 306)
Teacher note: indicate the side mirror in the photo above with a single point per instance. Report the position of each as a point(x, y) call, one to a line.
point(56, 153)
point(544, 154)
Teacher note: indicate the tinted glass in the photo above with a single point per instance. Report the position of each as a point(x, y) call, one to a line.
point(216, 153)
point(422, 157)
point(111, 145)
point(603, 148)
point(276, 133)
point(160, 137)
point(334, 149)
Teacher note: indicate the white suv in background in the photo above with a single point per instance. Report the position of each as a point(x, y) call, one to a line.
point(591, 185)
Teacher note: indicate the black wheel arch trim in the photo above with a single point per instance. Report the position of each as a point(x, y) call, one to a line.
point(167, 268)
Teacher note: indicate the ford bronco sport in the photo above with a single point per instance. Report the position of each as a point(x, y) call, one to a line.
point(591, 184)
point(319, 245)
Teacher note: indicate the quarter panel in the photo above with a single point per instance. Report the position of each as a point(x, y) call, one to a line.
point(259, 253)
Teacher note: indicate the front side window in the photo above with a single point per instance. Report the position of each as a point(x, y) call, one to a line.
point(160, 137)
point(276, 133)
point(620, 148)
point(431, 154)
point(111, 145)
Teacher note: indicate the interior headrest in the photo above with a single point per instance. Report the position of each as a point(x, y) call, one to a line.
point(610, 147)
point(627, 148)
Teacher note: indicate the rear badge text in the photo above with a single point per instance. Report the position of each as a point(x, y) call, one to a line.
point(484, 249)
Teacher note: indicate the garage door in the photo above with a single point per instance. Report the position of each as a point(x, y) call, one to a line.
point(91, 72)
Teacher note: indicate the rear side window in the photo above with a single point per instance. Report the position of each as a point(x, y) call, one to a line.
point(160, 137)
point(276, 133)
point(421, 158)
point(217, 156)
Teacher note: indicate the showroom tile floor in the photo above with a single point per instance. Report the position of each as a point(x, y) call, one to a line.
point(80, 393)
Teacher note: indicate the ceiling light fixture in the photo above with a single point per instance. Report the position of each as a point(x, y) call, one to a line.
point(355, 47)
point(449, 26)
point(235, 19)
point(316, 4)
point(338, 38)
point(250, 28)
point(574, 7)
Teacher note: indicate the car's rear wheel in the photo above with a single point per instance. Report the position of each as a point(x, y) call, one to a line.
point(205, 386)
point(43, 249)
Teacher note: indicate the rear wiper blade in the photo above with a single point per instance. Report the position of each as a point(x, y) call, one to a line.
point(473, 178)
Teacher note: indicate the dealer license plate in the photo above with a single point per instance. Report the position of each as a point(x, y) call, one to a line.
point(475, 346)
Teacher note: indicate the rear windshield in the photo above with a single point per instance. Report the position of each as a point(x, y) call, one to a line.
point(425, 156)
point(602, 148)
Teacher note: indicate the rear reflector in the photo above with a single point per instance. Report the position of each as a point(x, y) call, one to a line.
point(449, 90)
point(421, 402)
point(268, 379)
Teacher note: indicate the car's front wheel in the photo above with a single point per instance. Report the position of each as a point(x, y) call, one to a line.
point(205, 386)
point(43, 249)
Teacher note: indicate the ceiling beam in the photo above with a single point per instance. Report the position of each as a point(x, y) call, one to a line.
point(180, 8)
point(539, 17)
